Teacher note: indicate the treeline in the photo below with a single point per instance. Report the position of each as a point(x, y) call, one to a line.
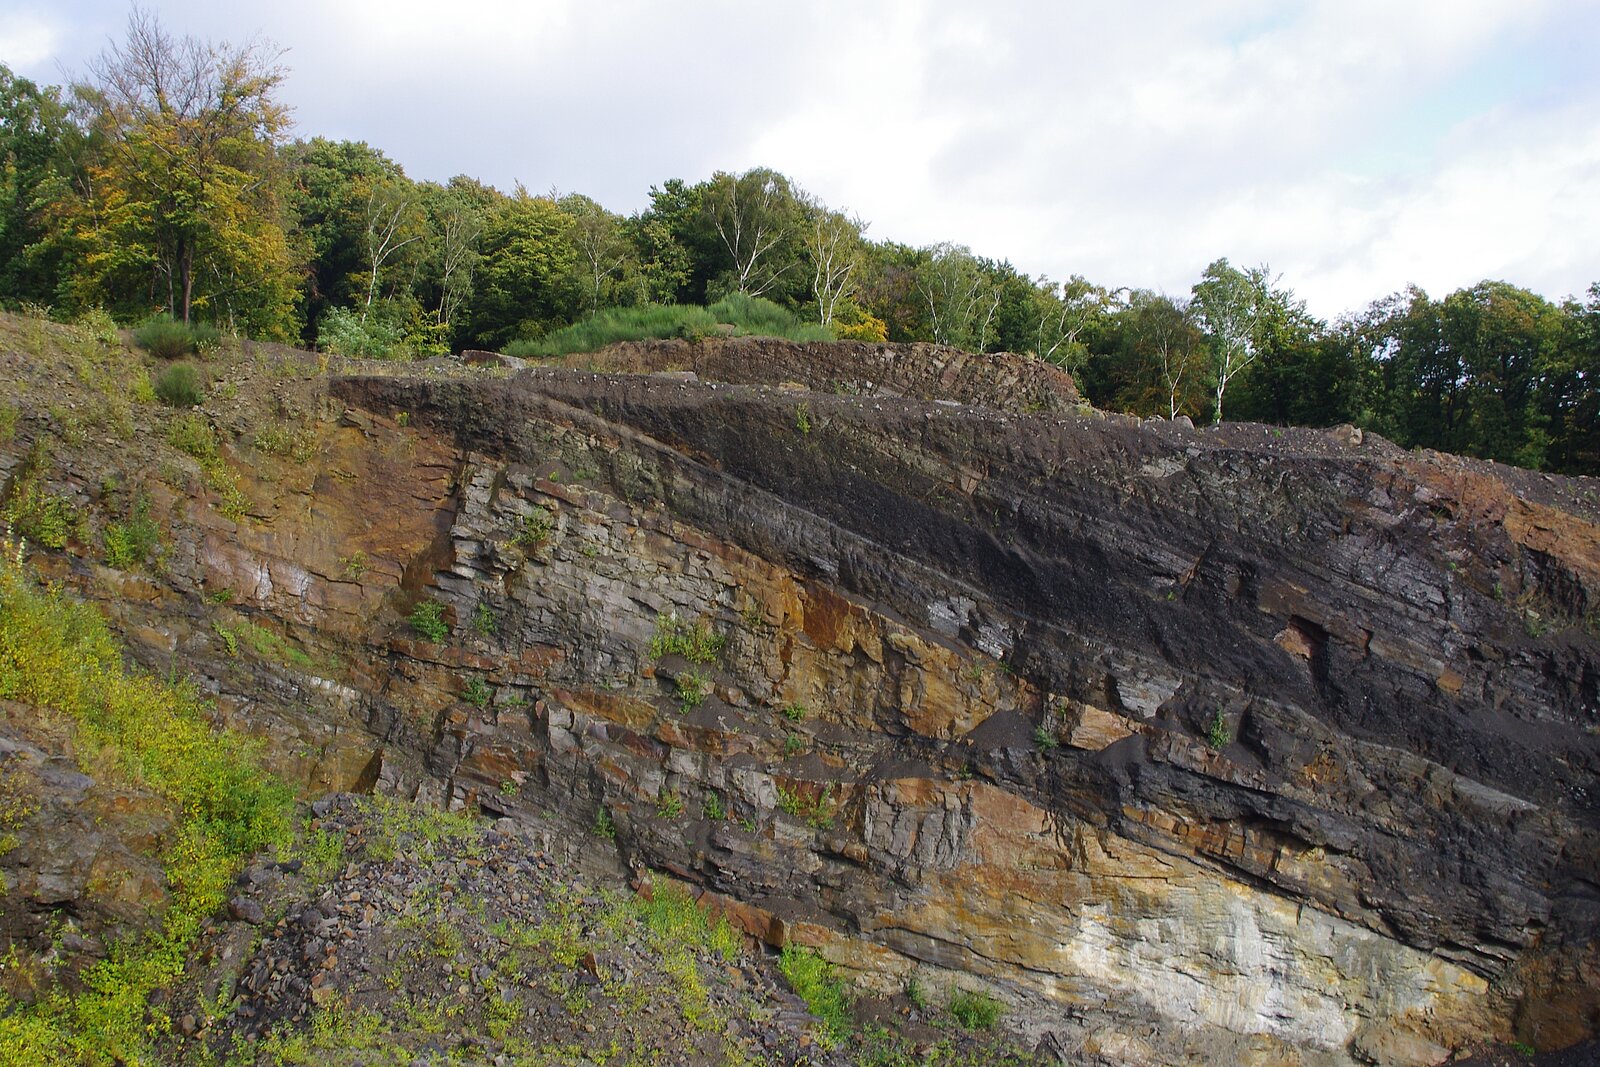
point(165, 182)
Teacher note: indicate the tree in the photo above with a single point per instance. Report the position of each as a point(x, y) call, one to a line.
point(38, 145)
point(755, 216)
point(394, 221)
point(526, 279)
point(832, 242)
point(960, 300)
point(458, 222)
point(189, 194)
point(1229, 304)
point(1570, 397)
point(1063, 313)
point(329, 182)
point(1164, 334)
point(604, 253)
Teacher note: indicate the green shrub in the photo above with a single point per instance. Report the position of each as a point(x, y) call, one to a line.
point(533, 529)
point(817, 810)
point(1218, 736)
point(164, 337)
point(279, 440)
point(206, 337)
point(193, 435)
point(178, 386)
point(343, 333)
point(477, 692)
point(167, 338)
point(39, 516)
point(974, 1011)
point(672, 914)
point(97, 325)
point(427, 619)
point(711, 807)
point(754, 316)
point(129, 544)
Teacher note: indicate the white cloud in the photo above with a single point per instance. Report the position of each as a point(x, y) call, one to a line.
point(29, 40)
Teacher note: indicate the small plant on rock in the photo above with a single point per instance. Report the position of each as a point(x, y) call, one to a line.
point(130, 544)
point(814, 979)
point(693, 688)
point(484, 620)
point(795, 712)
point(974, 1011)
point(476, 692)
point(695, 642)
point(427, 619)
point(712, 807)
point(669, 806)
point(1218, 735)
point(1044, 737)
point(534, 529)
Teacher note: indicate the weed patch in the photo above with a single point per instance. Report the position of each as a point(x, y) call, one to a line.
point(695, 642)
point(814, 979)
point(58, 654)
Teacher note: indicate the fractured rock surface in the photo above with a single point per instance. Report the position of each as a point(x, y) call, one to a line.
point(1250, 745)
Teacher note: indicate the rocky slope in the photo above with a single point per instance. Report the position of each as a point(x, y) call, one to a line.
point(1253, 745)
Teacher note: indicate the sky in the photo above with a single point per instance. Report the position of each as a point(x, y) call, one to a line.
point(1353, 146)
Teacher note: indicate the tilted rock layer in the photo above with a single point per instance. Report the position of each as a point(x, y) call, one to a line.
point(1264, 746)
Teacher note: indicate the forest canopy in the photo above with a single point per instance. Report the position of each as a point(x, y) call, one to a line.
point(165, 182)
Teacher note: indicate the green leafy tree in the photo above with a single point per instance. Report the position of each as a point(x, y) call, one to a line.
point(833, 248)
point(676, 247)
point(1569, 397)
point(39, 147)
point(888, 289)
point(329, 181)
point(758, 220)
point(1230, 305)
point(1158, 361)
point(1304, 376)
point(605, 257)
point(1062, 317)
point(525, 284)
point(1505, 338)
point(185, 208)
point(457, 213)
point(960, 299)
point(394, 227)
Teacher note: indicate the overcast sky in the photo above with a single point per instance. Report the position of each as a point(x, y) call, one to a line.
point(1356, 146)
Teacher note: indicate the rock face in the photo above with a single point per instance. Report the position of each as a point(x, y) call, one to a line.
point(1262, 746)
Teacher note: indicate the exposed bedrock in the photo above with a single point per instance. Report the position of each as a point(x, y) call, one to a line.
point(1289, 740)
point(1239, 744)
